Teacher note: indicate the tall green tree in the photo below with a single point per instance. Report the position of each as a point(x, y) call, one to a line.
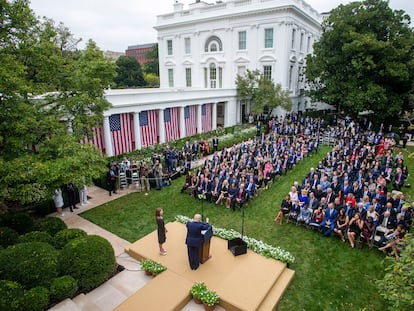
point(129, 72)
point(364, 59)
point(261, 92)
point(152, 65)
point(51, 95)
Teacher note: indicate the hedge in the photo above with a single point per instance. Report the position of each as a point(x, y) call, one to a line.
point(90, 260)
point(35, 236)
point(64, 236)
point(63, 287)
point(51, 225)
point(8, 236)
point(30, 264)
point(20, 222)
point(11, 295)
point(35, 299)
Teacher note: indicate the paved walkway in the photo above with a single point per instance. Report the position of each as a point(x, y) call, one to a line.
point(116, 290)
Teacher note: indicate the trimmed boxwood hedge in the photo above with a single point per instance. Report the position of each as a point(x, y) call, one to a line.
point(20, 222)
point(11, 295)
point(8, 236)
point(63, 287)
point(31, 264)
point(51, 225)
point(35, 299)
point(66, 235)
point(90, 260)
point(35, 236)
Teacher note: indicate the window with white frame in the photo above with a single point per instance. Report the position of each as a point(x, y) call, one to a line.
point(213, 76)
point(290, 77)
point(187, 45)
point(301, 42)
point(169, 47)
point(170, 77)
point(242, 40)
point(267, 72)
point(293, 38)
point(268, 40)
point(241, 70)
point(213, 44)
point(188, 77)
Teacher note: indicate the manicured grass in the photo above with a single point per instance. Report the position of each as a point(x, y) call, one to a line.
point(329, 274)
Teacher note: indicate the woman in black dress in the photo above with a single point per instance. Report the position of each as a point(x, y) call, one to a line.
point(355, 226)
point(161, 230)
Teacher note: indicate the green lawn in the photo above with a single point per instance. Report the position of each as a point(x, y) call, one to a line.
point(329, 274)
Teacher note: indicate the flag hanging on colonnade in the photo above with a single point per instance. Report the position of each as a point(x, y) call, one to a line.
point(206, 118)
point(95, 138)
point(121, 126)
point(190, 118)
point(172, 123)
point(148, 123)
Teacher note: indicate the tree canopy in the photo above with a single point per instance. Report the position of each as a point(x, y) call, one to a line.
point(129, 72)
point(262, 93)
point(152, 64)
point(52, 95)
point(364, 59)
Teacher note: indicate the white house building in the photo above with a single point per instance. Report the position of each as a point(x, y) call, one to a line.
point(202, 48)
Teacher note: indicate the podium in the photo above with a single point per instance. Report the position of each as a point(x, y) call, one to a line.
point(205, 247)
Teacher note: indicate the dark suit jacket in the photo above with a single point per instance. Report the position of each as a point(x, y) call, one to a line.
point(194, 236)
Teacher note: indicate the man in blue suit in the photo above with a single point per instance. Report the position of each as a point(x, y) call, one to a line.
point(328, 222)
point(195, 239)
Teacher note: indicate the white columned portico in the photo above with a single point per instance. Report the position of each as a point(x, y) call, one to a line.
point(109, 150)
point(199, 124)
point(182, 122)
point(161, 129)
point(230, 116)
point(214, 116)
point(137, 131)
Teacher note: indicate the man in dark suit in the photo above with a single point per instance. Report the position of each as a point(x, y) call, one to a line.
point(194, 240)
point(215, 143)
point(329, 220)
point(239, 198)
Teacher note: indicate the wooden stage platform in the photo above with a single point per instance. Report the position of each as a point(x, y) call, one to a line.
point(245, 282)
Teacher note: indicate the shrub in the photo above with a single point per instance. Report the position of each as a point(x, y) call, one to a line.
point(11, 295)
point(63, 287)
point(210, 298)
point(89, 259)
point(20, 222)
point(8, 236)
point(66, 235)
point(51, 225)
point(198, 289)
point(36, 299)
point(35, 236)
point(31, 264)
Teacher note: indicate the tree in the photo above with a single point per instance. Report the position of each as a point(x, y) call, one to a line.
point(152, 80)
point(397, 286)
point(364, 59)
point(152, 65)
point(129, 72)
point(51, 95)
point(262, 93)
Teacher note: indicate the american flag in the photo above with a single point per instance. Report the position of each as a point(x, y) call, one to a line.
point(206, 117)
point(172, 124)
point(96, 139)
point(190, 119)
point(121, 126)
point(148, 122)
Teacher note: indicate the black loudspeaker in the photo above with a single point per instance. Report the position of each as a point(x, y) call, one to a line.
point(237, 246)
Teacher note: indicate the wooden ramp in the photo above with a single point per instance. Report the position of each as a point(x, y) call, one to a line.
point(245, 282)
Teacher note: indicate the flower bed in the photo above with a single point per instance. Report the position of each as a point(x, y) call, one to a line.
point(257, 246)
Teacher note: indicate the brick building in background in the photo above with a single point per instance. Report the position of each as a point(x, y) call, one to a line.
point(139, 51)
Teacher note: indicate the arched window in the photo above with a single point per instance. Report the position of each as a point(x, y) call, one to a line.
point(213, 44)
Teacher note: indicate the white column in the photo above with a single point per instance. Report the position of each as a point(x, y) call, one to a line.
point(231, 113)
point(161, 129)
point(109, 150)
point(214, 116)
point(137, 131)
point(182, 122)
point(199, 125)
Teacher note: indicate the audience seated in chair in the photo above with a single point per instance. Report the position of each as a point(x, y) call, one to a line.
point(341, 225)
point(328, 223)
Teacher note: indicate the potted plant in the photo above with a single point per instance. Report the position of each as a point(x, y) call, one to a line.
point(196, 291)
point(147, 265)
point(210, 299)
point(157, 269)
